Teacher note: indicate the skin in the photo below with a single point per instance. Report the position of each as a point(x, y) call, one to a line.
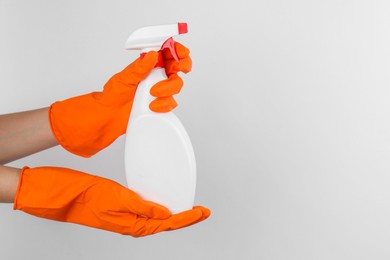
point(21, 134)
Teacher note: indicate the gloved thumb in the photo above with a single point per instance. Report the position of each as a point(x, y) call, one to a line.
point(137, 70)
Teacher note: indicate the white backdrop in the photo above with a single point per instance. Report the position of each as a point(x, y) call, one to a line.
point(287, 107)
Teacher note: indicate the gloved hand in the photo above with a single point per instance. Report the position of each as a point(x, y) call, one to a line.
point(86, 124)
point(71, 196)
point(164, 90)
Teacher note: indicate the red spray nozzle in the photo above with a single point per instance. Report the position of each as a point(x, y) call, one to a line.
point(182, 28)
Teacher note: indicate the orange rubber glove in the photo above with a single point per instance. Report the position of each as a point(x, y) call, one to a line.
point(86, 124)
point(71, 196)
point(164, 90)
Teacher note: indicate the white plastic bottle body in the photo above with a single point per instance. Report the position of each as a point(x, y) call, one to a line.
point(159, 158)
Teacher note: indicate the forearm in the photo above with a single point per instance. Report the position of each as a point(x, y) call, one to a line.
point(9, 178)
point(24, 133)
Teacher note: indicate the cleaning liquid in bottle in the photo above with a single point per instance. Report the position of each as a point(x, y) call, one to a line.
point(159, 158)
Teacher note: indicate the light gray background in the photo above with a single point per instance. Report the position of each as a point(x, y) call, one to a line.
point(287, 107)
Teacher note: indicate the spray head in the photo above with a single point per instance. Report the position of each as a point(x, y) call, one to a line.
point(156, 38)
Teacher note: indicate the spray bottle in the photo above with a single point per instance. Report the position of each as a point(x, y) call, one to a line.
point(159, 158)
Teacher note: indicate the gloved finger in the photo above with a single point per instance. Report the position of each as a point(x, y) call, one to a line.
point(182, 219)
point(168, 87)
point(133, 203)
point(145, 226)
point(138, 70)
point(181, 51)
point(163, 104)
point(184, 64)
point(205, 213)
point(172, 66)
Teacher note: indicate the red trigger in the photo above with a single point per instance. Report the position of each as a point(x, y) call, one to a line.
point(170, 44)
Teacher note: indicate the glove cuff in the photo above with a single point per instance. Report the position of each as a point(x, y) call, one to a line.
point(84, 126)
point(16, 205)
point(57, 125)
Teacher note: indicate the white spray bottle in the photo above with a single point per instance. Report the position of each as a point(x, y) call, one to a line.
point(159, 158)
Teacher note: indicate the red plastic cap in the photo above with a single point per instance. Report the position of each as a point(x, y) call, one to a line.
point(182, 28)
